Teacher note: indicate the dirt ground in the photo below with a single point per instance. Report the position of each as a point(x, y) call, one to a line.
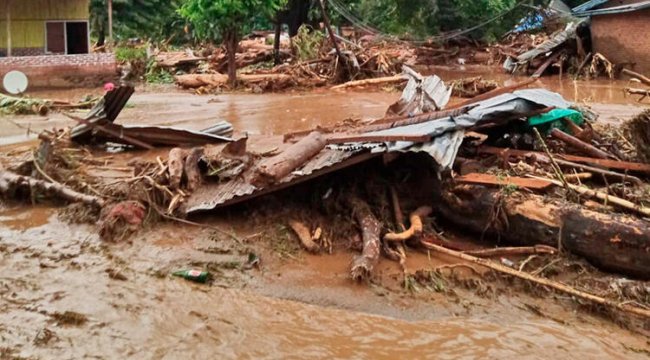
point(66, 294)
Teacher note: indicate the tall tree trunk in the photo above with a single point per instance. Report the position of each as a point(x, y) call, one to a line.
point(276, 42)
point(232, 41)
point(101, 37)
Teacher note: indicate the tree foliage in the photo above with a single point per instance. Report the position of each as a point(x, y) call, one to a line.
point(154, 20)
point(213, 19)
point(418, 19)
point(227, 21)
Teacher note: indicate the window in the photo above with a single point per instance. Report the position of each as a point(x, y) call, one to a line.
point(66, 37)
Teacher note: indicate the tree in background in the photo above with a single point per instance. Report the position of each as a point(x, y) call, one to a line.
point(154, 20)
point(419, 19)
point(227, 21)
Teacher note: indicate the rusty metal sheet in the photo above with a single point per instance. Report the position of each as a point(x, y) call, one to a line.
point(488, 179)
point(162, 135)
point(215, 195)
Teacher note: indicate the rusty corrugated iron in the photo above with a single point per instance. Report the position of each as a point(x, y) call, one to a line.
point(215, 195)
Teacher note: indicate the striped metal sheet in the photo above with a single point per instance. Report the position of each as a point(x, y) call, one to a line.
point(214, 195)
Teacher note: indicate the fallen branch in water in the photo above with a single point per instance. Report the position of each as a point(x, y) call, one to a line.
point(10, 182)
point(540, 281)
point(643, 92)
point(416, 225)
point(636, 75)
point(375, 81)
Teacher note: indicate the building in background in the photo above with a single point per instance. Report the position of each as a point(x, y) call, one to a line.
point(44, 27)
point(49, 41)
point(619, 30)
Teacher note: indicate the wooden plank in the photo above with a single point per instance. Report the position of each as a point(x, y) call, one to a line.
point(612, 164)
point(488, 179)
point(347, 138)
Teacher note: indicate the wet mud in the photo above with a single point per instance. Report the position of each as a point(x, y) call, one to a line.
point(61, 298)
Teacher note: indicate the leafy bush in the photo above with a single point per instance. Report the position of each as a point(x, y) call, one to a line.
point(130, 54)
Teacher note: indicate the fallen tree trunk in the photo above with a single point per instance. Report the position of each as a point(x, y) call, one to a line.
point(609, 241)
point(363, 264)
point(193, 81)
point(11, 182)
point(375, 81)
point(529, 220)
point(275, 168)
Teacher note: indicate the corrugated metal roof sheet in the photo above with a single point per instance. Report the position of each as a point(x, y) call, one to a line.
point(550, 44)
point(213, 195)
point(446, 132)
point(588, 5)
point(616, 9)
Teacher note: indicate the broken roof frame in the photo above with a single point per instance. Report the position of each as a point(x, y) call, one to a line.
point(447, 135)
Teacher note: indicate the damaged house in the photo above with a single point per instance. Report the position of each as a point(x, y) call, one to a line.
point(617, 30)
point(46, 37)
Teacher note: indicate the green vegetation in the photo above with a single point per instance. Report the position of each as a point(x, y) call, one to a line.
point(307, 43)
point(129, 54)
point(226, 21)
point(148, 20)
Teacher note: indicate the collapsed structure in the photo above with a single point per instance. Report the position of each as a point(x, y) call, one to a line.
point(524, 165)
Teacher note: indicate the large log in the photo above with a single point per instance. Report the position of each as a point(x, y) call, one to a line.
point(192, 170)
point(193, 81)
point(528, 220)
point(274, 169)
point(363, 264)
point(609, 241)
point(11, 182)
point(175, 167)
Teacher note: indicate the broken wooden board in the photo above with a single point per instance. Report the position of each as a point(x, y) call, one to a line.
point(612, 164)
point(488, 179)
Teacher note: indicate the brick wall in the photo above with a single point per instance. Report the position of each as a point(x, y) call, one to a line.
point(622, 38)
point(63, 70)
point(23, 52)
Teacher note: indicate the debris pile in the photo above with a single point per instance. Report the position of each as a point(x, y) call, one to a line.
point(25, 105)
point(521, 165)
point(642, 84)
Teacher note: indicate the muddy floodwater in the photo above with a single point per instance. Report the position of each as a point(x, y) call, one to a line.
point(64, 294)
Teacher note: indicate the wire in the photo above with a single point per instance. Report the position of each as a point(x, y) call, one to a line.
point(356, 21)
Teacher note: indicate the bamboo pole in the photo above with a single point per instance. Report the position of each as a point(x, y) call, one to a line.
point(110, 21)
point(8, 11)
point(541, 281)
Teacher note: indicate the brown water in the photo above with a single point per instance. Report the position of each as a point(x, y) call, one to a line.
point(281, 113)
point(304, 307)
point(49, 267)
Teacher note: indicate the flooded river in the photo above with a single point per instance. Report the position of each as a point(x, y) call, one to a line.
point(300, 307)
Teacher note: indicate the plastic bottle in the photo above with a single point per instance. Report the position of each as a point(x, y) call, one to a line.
point(193, 275)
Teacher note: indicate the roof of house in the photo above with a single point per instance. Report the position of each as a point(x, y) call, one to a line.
point(589, 8)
